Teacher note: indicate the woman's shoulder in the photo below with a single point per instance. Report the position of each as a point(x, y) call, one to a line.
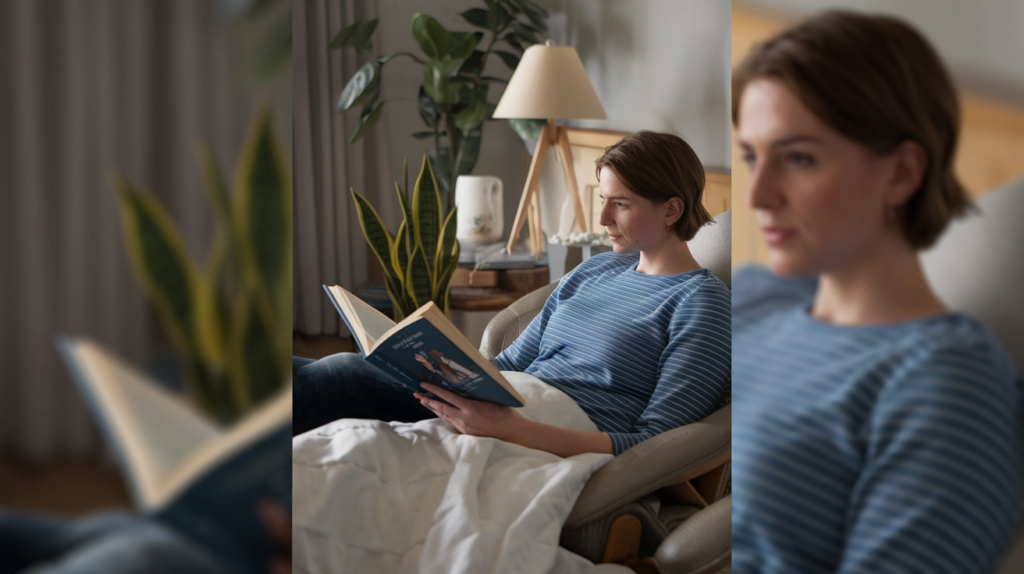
point(954, 349)
point(756, 289)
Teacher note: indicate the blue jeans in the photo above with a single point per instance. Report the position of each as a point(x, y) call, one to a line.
point(112, 542)
point(347, 386)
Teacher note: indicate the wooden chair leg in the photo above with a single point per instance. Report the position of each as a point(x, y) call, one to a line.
point(623, 540)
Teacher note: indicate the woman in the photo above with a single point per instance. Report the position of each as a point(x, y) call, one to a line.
point(875, 430)
point(639, 338)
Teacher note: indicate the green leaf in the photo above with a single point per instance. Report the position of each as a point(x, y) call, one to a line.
point(429, 110)
point(399, 253)
point(472, 65)
point(469, 150)
point(510, 59)
point(401, 303)
point(493, 80)
point(376, 235)
point(161, 262)
point(535, 13)
point(426, 210)
point(422, 135)
point(435, 81)
point(529, 28)
point(463, 44)
point(512, 40)
point(418, 278)
point(471, 116)
point(526, 129)
point(355, 36)
point(410, 236)
point(434, 40)
point(442, 259)
point(262, 214)
point(211, 313)
point(476, 17)
point(526, 38)
point(362, 87)
point(369, 117)
point(252, 370)
point(439, 165)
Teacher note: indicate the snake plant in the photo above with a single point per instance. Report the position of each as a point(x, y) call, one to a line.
point(420, 259)
point(230, 320)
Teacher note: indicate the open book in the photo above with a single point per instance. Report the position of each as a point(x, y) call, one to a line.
point(181, 468)
point(424, 347)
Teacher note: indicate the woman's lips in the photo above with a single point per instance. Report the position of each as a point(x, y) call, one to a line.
point(776, 235)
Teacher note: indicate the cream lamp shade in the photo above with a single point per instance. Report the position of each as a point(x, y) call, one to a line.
point(550, 82)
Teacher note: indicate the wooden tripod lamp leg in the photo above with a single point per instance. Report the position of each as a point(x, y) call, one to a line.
point(571, 187)
point(532, 181)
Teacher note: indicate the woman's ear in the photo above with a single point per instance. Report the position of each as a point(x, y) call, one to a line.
point(673, 210)
point(909, 169)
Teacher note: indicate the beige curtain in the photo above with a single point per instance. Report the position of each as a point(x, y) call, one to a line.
point(89, 88)
point(329, 246)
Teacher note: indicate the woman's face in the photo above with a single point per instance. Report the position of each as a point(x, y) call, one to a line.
point(819, 198)
point(633, 223)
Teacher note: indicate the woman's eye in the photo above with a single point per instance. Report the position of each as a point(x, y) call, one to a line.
point(748, 158)
point(800, 159)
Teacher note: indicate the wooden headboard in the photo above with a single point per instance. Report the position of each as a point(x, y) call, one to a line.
point(990, 152)
point(588, 145)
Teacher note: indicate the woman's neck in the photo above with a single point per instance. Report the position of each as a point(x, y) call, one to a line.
point(883, 287)
point(670, 258)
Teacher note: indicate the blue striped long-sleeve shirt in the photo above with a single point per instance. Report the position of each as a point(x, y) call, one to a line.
point(872, 449)
point(640, 354)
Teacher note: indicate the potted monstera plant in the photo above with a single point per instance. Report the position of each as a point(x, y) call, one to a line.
point(229, 319)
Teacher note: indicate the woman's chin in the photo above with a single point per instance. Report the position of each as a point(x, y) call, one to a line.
point(786, 263)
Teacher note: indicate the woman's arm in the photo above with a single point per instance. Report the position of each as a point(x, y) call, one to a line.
point(479, 418)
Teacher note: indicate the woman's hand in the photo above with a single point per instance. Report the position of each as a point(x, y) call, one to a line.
point(472, 417)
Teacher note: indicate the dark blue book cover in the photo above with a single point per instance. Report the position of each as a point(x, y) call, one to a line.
point(216, 504)
point(418, 350)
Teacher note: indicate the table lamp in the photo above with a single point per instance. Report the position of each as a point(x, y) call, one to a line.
point(550, 83)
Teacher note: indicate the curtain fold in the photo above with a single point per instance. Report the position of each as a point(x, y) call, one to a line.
point(329, 245)
point(87, 90)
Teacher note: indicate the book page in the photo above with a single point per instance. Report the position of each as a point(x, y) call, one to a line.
point(365, 322)
point(154, 430)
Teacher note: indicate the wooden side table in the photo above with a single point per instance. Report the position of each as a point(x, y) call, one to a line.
point(509, 285)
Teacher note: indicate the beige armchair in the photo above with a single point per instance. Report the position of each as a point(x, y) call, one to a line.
point(661, 506)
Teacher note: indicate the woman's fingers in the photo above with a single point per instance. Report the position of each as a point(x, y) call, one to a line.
point(445, 394)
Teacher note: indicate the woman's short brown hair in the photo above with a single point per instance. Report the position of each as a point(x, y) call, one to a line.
point(878, 82)
point(659, 167)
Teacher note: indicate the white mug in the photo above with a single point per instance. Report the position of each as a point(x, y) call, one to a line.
point(479, 199)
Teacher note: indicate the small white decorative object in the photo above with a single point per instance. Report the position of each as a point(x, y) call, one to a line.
point(479, 199)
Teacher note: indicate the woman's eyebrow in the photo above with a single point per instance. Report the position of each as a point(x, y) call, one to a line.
point(794, 139)
point(622, 197)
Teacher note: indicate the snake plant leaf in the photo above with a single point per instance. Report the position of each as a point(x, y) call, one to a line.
point(399, 254)
point(253, 372)
point(377, 236)
point(400, 302)
point(220, 201)
point(211, 313)
point(362, 87)
point(445, 282)
point(442, 259)
point(367, 118)
point(263, 215)
point(160, 261)
point(426, 210)
point(355, 36)
point(419, 281)
point(410, 231)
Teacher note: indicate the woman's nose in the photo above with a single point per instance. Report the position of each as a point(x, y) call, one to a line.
point(764, 191)
point(606, 218)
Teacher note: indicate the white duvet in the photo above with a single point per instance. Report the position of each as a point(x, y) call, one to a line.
point(373, 497)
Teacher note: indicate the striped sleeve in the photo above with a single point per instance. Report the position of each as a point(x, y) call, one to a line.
point(939, 487)
point(521, 353)
point(694, 366)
